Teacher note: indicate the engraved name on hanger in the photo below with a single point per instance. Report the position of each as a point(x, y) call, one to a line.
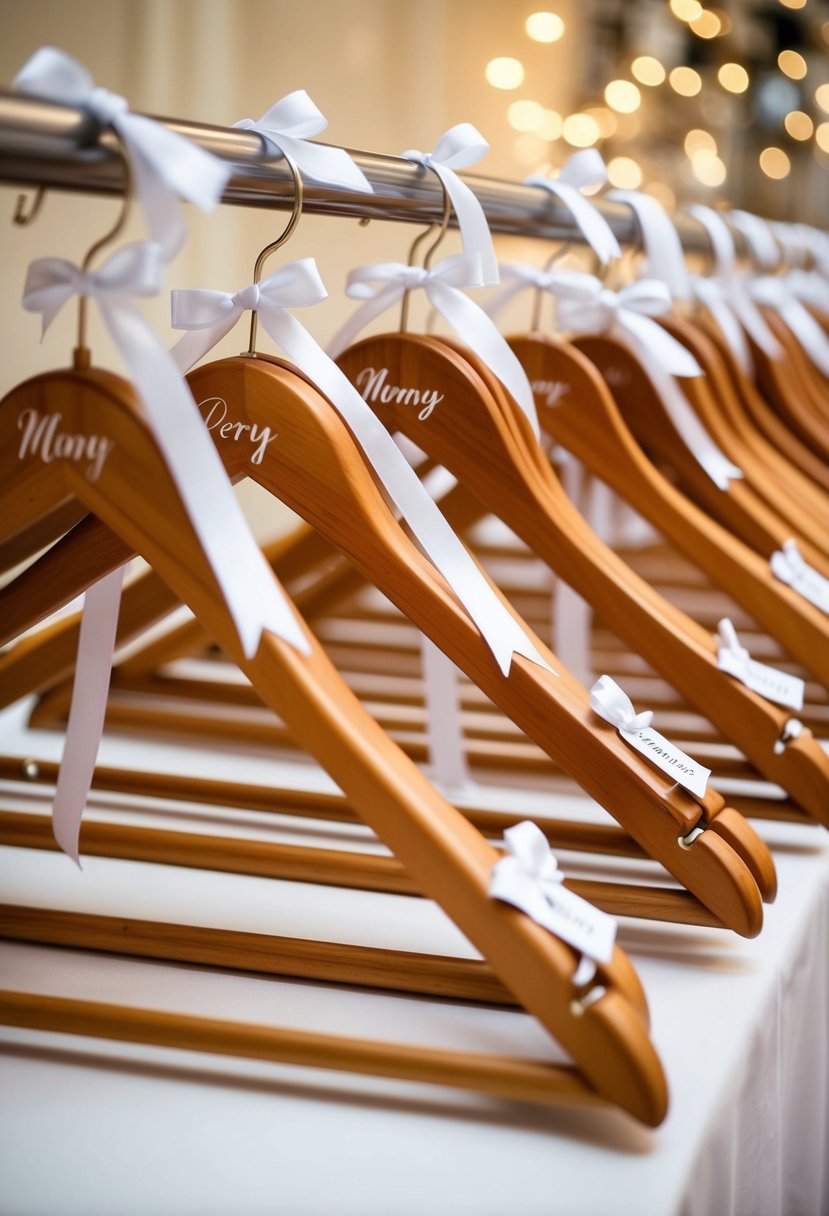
point(551, 390)
point(42, 438)
point(215, 420)
point(372, 384)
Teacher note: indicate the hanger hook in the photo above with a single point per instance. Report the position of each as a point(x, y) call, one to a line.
point(81, 351)
point(427, 258)
point(24, 213)
point(555, 256)
point(299, 195)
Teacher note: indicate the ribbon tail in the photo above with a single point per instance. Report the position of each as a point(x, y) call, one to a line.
point(165, 220)
point(253, 597)
point(594, 227)
point(733, 333)
point(483, 337)
point(194, 345)
point(475, 233)
point(88, 709)
point(502, 633)
point(808, 332)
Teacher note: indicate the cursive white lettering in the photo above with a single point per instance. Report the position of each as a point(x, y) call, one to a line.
point(215, 418)
point(42, 438)
point(372, 384)
point(551, 391)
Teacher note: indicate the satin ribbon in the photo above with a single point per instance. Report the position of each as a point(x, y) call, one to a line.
point(789, 565)
point(585, 306)
point(774, 293)
point(583, 169)
point(713, 296)
point(251, 593)
point(613, 704)
point(759, 238)
point(809, 288)
point(728, 640)
point(457, 148)
point(777, 686)
point(663, 248)
point(165, 166)
point(385, 284)
point(212, 314)
point(285, 128)
point(528, 878)
point(732, 287)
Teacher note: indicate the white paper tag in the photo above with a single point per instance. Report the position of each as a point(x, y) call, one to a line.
point(670, 758)
point(774, 685)
point(804, 579)
point(579, 923)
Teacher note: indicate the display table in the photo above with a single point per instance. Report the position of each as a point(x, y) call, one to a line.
point(90, 1127)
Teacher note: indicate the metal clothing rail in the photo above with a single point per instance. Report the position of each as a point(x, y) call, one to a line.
point(65, 148)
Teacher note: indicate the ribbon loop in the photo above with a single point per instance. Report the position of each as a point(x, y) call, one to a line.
point(583, 169)
point(663, 248)
point(613, 704)
point(442, 287)
point(284, 130)
point(166, 166)
point(459, 147)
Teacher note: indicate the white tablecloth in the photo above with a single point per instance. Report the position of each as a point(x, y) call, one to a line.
point(88, 1127)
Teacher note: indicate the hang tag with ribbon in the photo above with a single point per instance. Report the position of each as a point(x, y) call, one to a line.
point(285, 129)
point(774, 685)
point(384, 284)
point(789, 565)
point(582, 170)
point(459, 147)
point(212, 314)
point(528, 878)
point(612, 704)
point(165, 166)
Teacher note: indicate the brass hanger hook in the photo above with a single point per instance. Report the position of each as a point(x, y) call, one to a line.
point(26, 210)
point(555, 256)
point(299, 195)
point(417, 242)
point(81, 351)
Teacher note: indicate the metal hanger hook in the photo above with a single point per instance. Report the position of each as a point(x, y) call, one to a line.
point(26, 210)
point(285, 236)
point(555, 256)
point(427, 258)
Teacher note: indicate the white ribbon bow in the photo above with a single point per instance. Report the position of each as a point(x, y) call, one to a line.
point(212, 314)
point(790, 566)
point(284, 129)
point(165, 166)
point(457, 148)
point(613, 704)
point(774, 293)
point(528, 877)
point(583, 169)
point(385, 283)
point(585, 306)
point(253, 596)
point(728, 640)
point(663, 249)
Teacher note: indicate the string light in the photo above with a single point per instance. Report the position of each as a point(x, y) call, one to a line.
point(793, 3)
point(622, 95)
point(822, 96)
point(581, 131)
point(798, 124)
point(707, 24)
point(699, 141)
point(505, 73)
point(551, 125)
point(530, 149)
point(525, 115)
point(733, 77)
point(708, 168)
point(775, 163)
point(648, 70)
point(792, 64)
point(822, 136)
point(544, 27)
point(685, 81)
point(605, 119)
point(686, 10)
point(662, 192)
point(624, 173)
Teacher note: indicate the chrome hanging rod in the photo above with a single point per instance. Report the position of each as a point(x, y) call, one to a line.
point(64, 148)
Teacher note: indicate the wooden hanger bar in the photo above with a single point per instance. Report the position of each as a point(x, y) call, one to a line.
point(61, 147)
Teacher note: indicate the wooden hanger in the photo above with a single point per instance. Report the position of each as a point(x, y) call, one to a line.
point(786, 386)
point(317, 470)
point(441, 851)
point(772, 513)
point(473, 440)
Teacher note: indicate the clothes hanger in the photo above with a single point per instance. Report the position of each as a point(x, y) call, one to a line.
point(441, 851)
point(272, 395)
point(472, 440)
point(786, 385)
